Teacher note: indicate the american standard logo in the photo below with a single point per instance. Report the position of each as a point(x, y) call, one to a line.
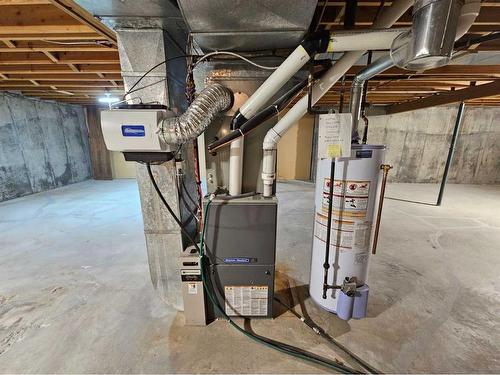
point(133, 131)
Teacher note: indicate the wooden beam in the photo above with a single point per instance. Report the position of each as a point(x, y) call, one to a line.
point(473, 92)
point(10, 84)
point(51, 56)
point(58, 48)
point(63, 58)
point(9, 43)
point(66, 77)
point(48, 68)
point(99, 155)
point(53, 36)
point(34, 15)
point(46, 31)
point(81, 15)
point(23, 2)
point(74, 68)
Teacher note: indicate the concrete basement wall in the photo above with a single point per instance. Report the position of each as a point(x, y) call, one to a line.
point(418, 141)
point(43, 145)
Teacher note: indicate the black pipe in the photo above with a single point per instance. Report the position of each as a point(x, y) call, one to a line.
point(453, 143)
point(471, 41)
point(326, 264)
point(259, 117)
point(365, 131)
point(341, 99)
point(313, 43)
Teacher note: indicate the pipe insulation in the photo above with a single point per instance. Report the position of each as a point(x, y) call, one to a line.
point(386, 19)
point(214, 99)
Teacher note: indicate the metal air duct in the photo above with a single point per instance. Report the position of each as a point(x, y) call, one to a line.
point(429, 44)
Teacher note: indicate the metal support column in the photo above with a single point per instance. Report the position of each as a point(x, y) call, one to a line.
point(454, 137)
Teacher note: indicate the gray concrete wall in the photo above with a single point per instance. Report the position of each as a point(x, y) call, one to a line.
point(43, 145)
point(418, 141)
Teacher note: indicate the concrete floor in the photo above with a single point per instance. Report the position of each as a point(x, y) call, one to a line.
point(75, 294)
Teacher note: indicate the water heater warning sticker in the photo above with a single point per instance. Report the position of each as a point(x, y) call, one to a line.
point(350, 198)
point(349, 229)
point(246, 300)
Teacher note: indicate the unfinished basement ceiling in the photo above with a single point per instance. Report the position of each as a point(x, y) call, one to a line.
point(400, 86)
point(56, 50)
point(36, 59)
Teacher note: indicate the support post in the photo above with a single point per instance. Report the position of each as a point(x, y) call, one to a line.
point(454, 137)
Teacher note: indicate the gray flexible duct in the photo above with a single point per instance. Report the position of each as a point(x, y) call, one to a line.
point(213, 100)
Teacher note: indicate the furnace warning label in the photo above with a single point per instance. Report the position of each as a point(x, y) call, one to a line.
point(246, 300)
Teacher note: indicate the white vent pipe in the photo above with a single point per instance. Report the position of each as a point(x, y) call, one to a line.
point(387, 18)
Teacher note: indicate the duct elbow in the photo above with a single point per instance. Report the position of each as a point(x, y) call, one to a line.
point(213, 100)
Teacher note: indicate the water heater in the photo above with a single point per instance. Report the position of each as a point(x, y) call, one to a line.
point(354, 193)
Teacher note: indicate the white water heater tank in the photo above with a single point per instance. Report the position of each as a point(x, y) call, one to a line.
point(356, 189)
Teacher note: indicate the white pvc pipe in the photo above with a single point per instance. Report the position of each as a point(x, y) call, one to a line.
point(236, 166)
point(386, 19)
point(358, 40)
point(296, 60)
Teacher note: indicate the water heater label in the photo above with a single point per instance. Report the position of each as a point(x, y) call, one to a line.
point(133, 131)
point(246, 300)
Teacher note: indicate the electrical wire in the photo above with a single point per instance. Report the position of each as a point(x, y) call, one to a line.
point(235, 55)
point(189, 195)
point(149, 71)
point(90, 42)
point(169, 209)
point(204, 57)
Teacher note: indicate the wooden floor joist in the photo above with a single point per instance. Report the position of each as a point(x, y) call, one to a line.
point(55, 49)
point(474, 92)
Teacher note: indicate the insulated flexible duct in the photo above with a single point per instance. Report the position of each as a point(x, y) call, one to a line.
point(213, 100)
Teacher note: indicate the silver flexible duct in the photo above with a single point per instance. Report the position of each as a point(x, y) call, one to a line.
point(213, 100)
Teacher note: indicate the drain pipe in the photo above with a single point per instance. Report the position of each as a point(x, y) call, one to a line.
point(320, 88)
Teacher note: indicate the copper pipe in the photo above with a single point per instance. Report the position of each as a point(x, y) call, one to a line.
point(385, 168)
